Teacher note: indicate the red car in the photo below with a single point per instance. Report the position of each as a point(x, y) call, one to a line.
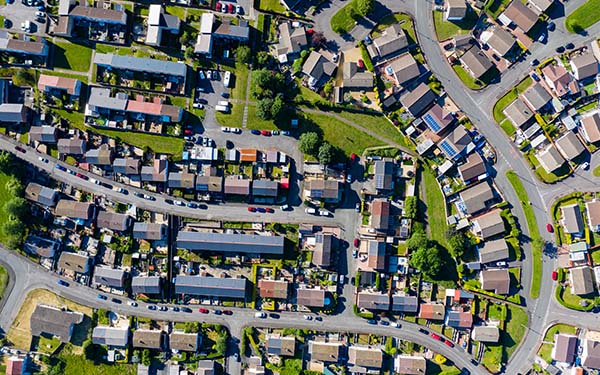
point(269, 210)
point(231, 8)
point(265, 132)
point(252, 209)
point(549, 228)
point(433, 335)
point(353, 157)
point(203, 310)
point(356, 242)
point(360, 64)
point(187, 131)
point(227, 312)
point(449, 343)
point(20, 149)
point(554, 275)
point(218, 7)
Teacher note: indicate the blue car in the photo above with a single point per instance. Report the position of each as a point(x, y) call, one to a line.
point(261, 210)
point(255, 132)
point(63, 283)
point(60, 168)
point(285, 132)
point(101, 296)
point(192, 205)
point(372, 321)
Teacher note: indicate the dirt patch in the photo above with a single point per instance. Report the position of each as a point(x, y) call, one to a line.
point(20, 332)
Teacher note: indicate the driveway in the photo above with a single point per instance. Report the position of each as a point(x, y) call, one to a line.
point(17, 13)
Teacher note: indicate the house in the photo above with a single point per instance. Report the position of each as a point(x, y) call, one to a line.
point(57, 86)
point(291, 41)
point(181, 180)
point(16, 365)
point(113, 221)
point(592, 210)
point(373, 300)
point(184, 342)
point(581, 280)
point(476, 62)
point(327, 191)
point(42, 134)
point(499, 40)
point(229, 31)
point(456, 10)
point(550, 159)
point(477, 198)
point(204, 41)
point(110, 277)
point(323, 247)
point(40, 246)
point(419, 100)
point(565, 348)
point(473, 170)
point(384, 176)
point(569, 145)
point(210, 184)
point(572, 219)
point(310, 297)
point(114, 337)
point(559, 80)
point(432, 311)
point(55, 322)
point(376, 254)
point(13, 113)
point(328, 352)
point(318, 69)
point(98, 15)
point(590, 127)
point(590, 356)
point(366, 358)
point(71, 146)
point(211, 287)
point(489, 224)
point(541, 5)
point(281, 345)
point(230, 242)
point(158, 23)
point(355, 79)
point(74, 262)
point(127, 165)
point(536, 97)
point(459, 319)
point(148, 339)
point(206, 367)
point(273, 288)
point(488, 334)
point(437, 119)
point(457, 144)
point(41, 195)
point(493, 251)
point(149, 231)
point(584, 66)
point(24, 47)
point(390, 43)
point(410, 365)
point(522, 16)
point(495, 280)
point(102, 155)
point(457, 297)
point(405, 304)
point(146, 285)
point(237, 186)
point(265, 188)
point(403, 69)
point(157, 172)
point(518, 113)
point(380, 215)
point(75, 210)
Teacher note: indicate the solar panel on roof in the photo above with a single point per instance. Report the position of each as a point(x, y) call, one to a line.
point(448, 149)
point(430, 121)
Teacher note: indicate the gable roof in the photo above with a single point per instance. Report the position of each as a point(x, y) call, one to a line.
point(324, 351)
point(593, 213)
point(273, 288)
point(146, 284)
point(323, 189)
point(141, 64)
point(380, 214)
point(404, 303)
point(75, 146)
point(41, 194)
point(373, 300)
point(473, 168)
point(384, 174)
point(113, 220)
point(148, 338)
point(404, 68)
point(489, 224)
point(353, 78)
point(236, 186)
point(521, 15)
point(550, 159)
point(291, 39)
point(187, 342)
point(496, 280)
point(71, 85)
point(536, 96)
point(376, 254)
point(591, 353)
point(230, 242)
point(569, 145)
point(317, 66)
point(437, 119)
point(476, 62)
point(323, 248)
point(499, 40)
point(459, 319)
point(432, 311)
point(111, 336)
point(53, 321)
point(590, 125)
point(493, 251)
point(393, 40)
point(584, 65)
point(110, 277)
point(149, 231)
point(456, 143)
point(310, 297)
point(74, 262)
point(477, 197)
point(410, 365)
point(582, 280)
point(572, 219)
point(281, 345)
point(364, 356)
point(489, 334)
point(211, 286)
point(418, 100)
point(518, 113)
point(565, 348)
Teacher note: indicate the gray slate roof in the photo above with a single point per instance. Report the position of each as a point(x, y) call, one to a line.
point(230, 242)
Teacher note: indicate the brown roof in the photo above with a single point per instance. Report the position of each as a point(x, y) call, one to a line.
point(280, 345)
point(113, 220)
point(380, 214)
point(323, 189)
point(490, 224)
point(561, 79)
point(27, 46)
point(497, 281)
point(593, 213)
point(410, 365)
point(324, 351)
point(237, 186)
point(584, 65)
point(404, 68)
point(74, 209)
point(54, 321)
point(323, 247)
point(71, 146)
point(521, 15)
point(486, 334)
point(569, 145)
point(187, 342)
point(591, 127)
point(432, 311)
point(476, 62)
point(582, 280)
point(63, 83)
point(248, 154)
point(99, 14)
point(310, 297)
point(565, 348)
point(74, 262)
point(150, 339)
point(474, 167)
point(476, 198)
point(273, 288)
point(365, 356)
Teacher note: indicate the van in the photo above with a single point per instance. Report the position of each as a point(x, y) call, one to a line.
point(324, 213)
point(260, 315)
point(226, 79)
point(310, 211)
point(224, 102)
point(342, 280)
point(222, 108)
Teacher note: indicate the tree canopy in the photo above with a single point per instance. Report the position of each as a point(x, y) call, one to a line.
point(325, 153)
point(309, 143)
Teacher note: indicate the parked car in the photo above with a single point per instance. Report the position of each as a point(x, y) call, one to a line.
point(501, 264)
point(285, 132)
point(266, 133)
point(149, 197)
point(102, 296)
point(325, 213)
point(551, 26)
point(437, 337)
point(275, 132)
point(151, 307)
point(310, 211)
point(201, 74)
point(224, 8)
point(255, 132)
point(372, 321)
point(285, 207)
point(585, 166)
point(560, 49)
point(192, 205)
point(179, 203)
point(238, 9)
point(542, 38)
point(423, 331)
point(554, 275)
point(218, 312)
point(63, 283)
point(225, 129)
point(132, 303)
point(449, 343)
point(186, 309)
point(269, 210)
point(549, 228)
point(116, 300)
point(61, 168)
point(203, 310)
point(384, 323)
point(43, 160)
point(534, 62)
point(20, 149)
point(535, 77)
point(360, 64)
point(163, 308)
point(569, 46)
point(175, 309)
point(274, 315)
point(368, 40)
point(236, 130)
point(308, 317)
point(319, 318)
point(227, 312)
point(357, 207)
point(354, 253)
point(356, 242)
point(218, 7)
point(230, 8)
point(252, 209)
point(261, 210)
point(260, 315)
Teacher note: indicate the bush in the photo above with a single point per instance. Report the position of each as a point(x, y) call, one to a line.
point(366, 57)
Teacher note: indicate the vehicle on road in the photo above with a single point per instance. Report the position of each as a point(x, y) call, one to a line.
point(423, 331)
point(151, 307)
point(551, 26)
point(179, 203)
point(275, 132)
point(235, 355)
point(175, 309)
point(285, 132)
point(261, 210)
point(192, 205)
point(310, 211)
point(434, 336)
point(217, 312)
point(266, 133)
point(236, 130)
point(354, 253)
point(384, 323)
point(61, 168)
point(260, 315)
point(372, 321)
point(398, 325)
point(63, 283)
point(269, 210)
point(560, 49)
point(549, 228)
point(238, 9)
point(554, 275)
point(319, 318)
point(116, 300)
point(43, 160)
point(203, 310)
point(138, 194)
point(535, 77)
point(163, 308)
point(255, 132)
point(325, 213)
point(132, 303)
point(120, 190)
point(308, 317)
point(168, 201)
point(252, 209)
point(186, 309)
point(569, 46)
point(534, 62)
point(149, 197)
point(349, 178)
point(585, 166)
point(274, 315)
point(20, 149)
point(356, 242)
point(225, 129)
point(227, 312)
point(285, 207)
point(102, 296)
point(449, 343)
point(357, 207)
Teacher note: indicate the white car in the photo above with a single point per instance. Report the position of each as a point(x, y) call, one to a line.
point(308, 317)
point(324, 213)
point(198, 105)
point(43, 160)
point(132, 303)
point(260, 315)
point(238, 9)
point(585, 165)
point(224, 8)
point(40, 14)
point(285, 207)
point(225, 129)
point(236, 130)
point(179, 203)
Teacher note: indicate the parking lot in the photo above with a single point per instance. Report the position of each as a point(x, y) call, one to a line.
point(17, 13)
point(209, 93)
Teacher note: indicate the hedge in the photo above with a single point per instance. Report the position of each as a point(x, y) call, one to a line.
point(366, 315)
point(366, 57)
point(558, 294)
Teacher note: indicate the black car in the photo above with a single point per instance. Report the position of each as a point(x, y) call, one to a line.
point(139, 195)
point(168, 201)
point(163, 308)
point(274, 316)
point(560, 49)
point(116, 300)
point(569, 46)
point(474, 362)
point(423, 331)
point(186, 309)
point(384, 323)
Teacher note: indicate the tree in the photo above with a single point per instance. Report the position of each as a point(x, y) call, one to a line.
point(221, 344)
point(427, 259)
point(325, 153)
point(417, 240)
point(6, 161)
point(410, 207)
point(264, 58)
point(16, 207)
point(189, 53)
point(328, 88)
point(13, 228)
point(278, 106)
point(309, 143)
point(243, 54)
point(365, 7)
point(318, 39)
point(457, 243)
point(263, 109)
point(185, 38)
point(23, 78)
point(14, 187)
point(146, 360)
point(297, 66)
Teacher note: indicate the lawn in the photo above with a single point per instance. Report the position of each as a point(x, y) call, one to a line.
point(516, 325)
point(77, 365)
point(176, 11)
point(559, 328)
point(72, 56)
point(536, 239)
point(377, 124)
point(254, 122)
point(596, 171)
point(466, 77)
point(508, 98)
point(233, 118)
point(241, 81)
point(406, 23)
point(584, 16)
point(492, 357)
point(4, 197)
point(344, 19)
point(446, 29)
point(3, 281)
point(495, 7)
point(436, 207)
point(272, 5)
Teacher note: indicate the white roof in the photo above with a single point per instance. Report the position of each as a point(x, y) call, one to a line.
point(206, 23)
point(154, 14)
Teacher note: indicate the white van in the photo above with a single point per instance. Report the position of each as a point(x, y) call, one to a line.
point(226, 79)
point(260, 315)
point(224, 102)
point(311, 211)
point(222, 108)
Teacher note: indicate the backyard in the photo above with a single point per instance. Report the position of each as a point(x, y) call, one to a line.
point(584, 16)
point(77, 365)
point(436, 207)
point(4, 197)
point(71, 56)
point(272, 5)
point(377, 124)
point(447, 29)
point(504, 101)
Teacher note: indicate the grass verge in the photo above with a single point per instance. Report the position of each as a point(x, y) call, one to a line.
point(71, 56)
point(344, 19)
point(447, 29)
point(584, 16)
point(508, 98)
point(3, 281)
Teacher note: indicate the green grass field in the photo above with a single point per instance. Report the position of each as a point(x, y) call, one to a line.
point(344, 19)
point(377, 124)
point(446, 29)
point(3, 281)
point(272, 5)
point(233, 118)
point(508, 98)
point(467, 78)
point(516, 325)
point(77, 365)
point(72, 56)
point(534, 232)
point(4, 197)
point(596, 171)
point(559, 328)
point(584, 16)
point(436, 207)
